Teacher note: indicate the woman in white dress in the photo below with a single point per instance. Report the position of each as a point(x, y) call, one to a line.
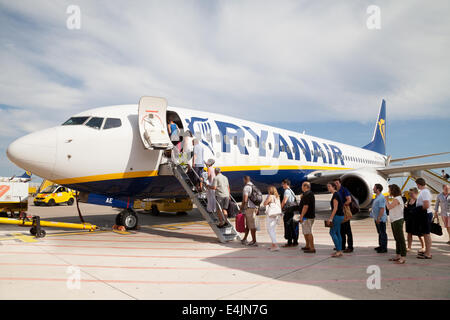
point(273, 215)
point(211, 193)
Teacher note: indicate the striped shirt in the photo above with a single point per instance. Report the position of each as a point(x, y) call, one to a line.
point(443, 201)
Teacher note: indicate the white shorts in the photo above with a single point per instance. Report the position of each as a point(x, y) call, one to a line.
point(307, 226)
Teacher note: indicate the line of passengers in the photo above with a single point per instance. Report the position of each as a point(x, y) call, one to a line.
point(415, 213)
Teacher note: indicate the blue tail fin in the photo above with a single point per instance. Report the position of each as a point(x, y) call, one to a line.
point(378, 143)
point(26, 174)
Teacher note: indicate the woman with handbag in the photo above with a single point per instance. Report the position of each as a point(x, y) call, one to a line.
point(395, 208)
point(336, 218)
point(273, 215)
point(289, 206)
point(411, 220)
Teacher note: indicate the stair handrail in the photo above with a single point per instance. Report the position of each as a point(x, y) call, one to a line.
point(437, 176)
point(224, 219)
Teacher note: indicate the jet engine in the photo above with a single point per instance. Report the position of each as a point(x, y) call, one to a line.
point(360, 183)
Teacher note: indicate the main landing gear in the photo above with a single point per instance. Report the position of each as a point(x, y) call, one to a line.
point(127, 218)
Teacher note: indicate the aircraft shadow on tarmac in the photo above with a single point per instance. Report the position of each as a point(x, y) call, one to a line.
point(145, 218)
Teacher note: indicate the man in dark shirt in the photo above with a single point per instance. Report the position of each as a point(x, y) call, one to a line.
point(307, 215)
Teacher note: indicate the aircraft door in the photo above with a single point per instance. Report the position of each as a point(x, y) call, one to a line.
point(152, 123)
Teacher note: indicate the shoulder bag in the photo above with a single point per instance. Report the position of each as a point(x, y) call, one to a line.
point(274, 208)
point(436, 228)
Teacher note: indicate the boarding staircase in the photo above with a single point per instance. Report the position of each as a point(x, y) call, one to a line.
point(433, 180)
point(224, 234)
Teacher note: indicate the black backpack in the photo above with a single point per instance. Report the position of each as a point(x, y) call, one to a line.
point(354, 205)
point(255, 195)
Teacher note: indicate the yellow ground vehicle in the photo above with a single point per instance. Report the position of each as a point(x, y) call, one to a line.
point(180, 206)
point(53, 195)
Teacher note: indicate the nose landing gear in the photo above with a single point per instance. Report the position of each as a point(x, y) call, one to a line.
point(127, 218)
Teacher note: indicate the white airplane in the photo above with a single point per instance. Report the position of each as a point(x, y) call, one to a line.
point(25, 177)
point(117, 154)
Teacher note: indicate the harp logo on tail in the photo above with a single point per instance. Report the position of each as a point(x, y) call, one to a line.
point(382, 128)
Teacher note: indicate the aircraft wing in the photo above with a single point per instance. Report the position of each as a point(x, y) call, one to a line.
point(418, 157)
point(398, 170)
point(323, 177)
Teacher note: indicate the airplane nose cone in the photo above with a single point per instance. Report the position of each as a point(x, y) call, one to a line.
point(35, 152)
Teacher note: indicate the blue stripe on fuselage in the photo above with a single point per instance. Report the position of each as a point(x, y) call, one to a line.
point(169, 187)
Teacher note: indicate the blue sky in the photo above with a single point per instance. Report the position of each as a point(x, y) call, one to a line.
point(302, 64)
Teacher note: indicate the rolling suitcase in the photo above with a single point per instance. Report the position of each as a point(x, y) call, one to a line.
point(240, 222)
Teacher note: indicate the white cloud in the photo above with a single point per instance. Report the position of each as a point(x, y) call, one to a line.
point(266, 60)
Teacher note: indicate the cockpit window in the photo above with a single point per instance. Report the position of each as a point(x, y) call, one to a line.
point(95, 122)
point(112, 123)
point(74, 121)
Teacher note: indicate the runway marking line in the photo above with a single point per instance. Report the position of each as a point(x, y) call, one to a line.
point(174, 226)
point(243, 268)
point(157, 248)
point(127, 248)
point(222, 282)
point(126, 241)
point(188, 257)
point(121, 232)
point(28, 238)
point(112, 236)
point(19, 237)
point(131, 241)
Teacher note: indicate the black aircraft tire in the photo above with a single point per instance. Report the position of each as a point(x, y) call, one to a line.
point(127, 218)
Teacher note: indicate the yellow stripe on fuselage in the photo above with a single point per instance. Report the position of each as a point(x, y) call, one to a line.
point(143, 174)
point(275, 167)
point(109, 176)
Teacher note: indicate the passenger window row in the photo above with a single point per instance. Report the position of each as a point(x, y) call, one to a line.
point(361, 160)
